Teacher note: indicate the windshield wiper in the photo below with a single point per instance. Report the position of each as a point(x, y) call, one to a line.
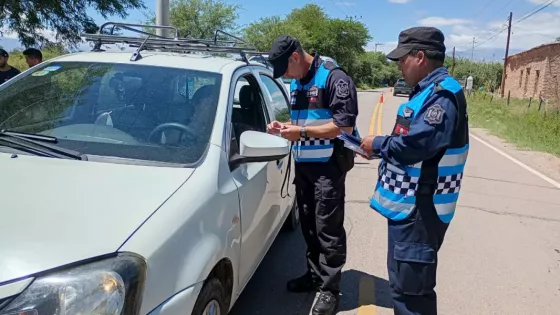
point(35, 144)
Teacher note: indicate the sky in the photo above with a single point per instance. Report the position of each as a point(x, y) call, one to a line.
point(460, 22)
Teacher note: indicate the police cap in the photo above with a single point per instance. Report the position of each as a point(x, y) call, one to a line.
point(418, 38)
point(4, 53)
point(280, 53)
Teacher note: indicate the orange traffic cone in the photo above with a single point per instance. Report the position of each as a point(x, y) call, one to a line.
point(381, 99)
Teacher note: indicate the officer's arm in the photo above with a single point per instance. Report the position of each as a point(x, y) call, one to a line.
point(342, 98)
point(431, 130)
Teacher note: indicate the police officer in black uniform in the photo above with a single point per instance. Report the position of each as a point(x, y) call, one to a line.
point(323, 101)
point(421, 170)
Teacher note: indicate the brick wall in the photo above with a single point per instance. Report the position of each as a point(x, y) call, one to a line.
point(534, 72)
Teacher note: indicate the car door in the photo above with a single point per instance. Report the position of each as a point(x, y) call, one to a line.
point(278, 108)
point(256, 182)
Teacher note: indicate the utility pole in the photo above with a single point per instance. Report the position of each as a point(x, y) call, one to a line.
point(453, 62)
point(378, 44)
point(162, 16)
point(472, 52)
point(505, 59)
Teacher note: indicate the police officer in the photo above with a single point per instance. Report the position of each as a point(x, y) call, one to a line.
point(323, 100)
point(421, 168)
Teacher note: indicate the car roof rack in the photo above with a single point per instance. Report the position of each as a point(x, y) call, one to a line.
point(107, 36)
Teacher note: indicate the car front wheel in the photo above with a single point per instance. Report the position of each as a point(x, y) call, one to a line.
point(211, 300)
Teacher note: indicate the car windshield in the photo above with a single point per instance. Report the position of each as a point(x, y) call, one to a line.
point(117, 110)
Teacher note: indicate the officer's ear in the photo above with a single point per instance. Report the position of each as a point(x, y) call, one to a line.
point(422, 58)
point(295, 57)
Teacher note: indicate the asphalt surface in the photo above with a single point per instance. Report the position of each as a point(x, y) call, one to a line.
point(501, 254)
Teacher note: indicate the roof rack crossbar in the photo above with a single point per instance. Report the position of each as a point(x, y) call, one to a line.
point(118, 38)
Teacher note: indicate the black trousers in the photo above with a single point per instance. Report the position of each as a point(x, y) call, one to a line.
point(412, 259)
point(320, 193)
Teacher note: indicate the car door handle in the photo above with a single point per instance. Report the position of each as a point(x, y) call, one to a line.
point(279, 164)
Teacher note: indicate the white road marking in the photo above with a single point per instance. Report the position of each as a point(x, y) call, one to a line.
point(514, 160)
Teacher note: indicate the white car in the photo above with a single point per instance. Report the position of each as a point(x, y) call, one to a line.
point(139, 184)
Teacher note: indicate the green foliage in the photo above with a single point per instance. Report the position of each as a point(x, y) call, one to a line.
point(68, 19)
point(374, 69)
point(17, 59)
point(527, 127)
point(484, 74)
point(200, 18)
point(343, 40)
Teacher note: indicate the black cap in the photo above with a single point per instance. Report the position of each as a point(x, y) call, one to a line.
point(420, 38)
point(3, 53)
point(280, 53)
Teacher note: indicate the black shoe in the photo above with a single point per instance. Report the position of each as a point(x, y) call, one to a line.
point(305, 283)
point(326, 304)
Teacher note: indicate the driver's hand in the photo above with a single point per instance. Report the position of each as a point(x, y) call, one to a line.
point(274, 127)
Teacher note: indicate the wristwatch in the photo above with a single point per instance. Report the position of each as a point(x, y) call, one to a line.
point(303, 132)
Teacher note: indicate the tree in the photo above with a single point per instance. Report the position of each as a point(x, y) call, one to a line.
point(342, 39)
point(484, 73)
point(200, 18)
point(67, 19)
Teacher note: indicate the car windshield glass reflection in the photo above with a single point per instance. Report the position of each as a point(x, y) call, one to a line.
point(119, 110)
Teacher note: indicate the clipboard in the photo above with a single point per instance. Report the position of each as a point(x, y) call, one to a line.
point(353, 143)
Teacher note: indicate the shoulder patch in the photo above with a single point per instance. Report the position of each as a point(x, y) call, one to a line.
point(342, 88)
point(434, 115)
point(407, 111)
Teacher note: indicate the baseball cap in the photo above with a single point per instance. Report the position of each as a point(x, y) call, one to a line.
point(280, 53)
point(4, 53)
point(420, 38)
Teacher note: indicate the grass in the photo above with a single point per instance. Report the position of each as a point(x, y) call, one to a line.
point(527, 127)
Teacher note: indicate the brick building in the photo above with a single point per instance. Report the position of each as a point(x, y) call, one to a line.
point(534, 73)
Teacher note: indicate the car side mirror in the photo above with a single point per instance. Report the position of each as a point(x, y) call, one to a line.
point(255, 146)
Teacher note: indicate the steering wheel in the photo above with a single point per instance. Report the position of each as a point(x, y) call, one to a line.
point(172, 125)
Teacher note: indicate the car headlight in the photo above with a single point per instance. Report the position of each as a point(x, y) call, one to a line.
point(110, 286)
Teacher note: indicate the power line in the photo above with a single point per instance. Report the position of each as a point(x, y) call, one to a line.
point(526, 16)
point(535, 12)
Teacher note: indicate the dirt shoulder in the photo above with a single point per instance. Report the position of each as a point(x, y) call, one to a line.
point(545, 163)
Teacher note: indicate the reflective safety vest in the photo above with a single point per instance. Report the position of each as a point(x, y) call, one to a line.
point(398, 186)
point(309, 108)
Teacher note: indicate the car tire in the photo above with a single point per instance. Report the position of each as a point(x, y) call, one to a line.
point(292, 221)
point(394, 93)
point(211, 298)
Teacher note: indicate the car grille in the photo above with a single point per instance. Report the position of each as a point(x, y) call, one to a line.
point(5, 301)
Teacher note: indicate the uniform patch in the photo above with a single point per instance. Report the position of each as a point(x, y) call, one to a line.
point(408, 112)
point(342, 89)
point(313, 91)
point(434, 115)
point(400, 130)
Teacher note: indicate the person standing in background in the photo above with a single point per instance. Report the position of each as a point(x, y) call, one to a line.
point(6, 71)
point(33, 56)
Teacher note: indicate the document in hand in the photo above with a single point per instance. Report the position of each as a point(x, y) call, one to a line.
point(353, 143)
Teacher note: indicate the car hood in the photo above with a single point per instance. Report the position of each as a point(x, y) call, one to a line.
point(56, 211)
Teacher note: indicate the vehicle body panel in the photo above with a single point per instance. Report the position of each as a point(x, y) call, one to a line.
point(47, 224)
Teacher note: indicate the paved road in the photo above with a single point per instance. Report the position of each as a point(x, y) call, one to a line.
point(501, 254)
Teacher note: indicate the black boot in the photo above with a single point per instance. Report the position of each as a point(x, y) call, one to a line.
point(326, 304)
point(305, 283)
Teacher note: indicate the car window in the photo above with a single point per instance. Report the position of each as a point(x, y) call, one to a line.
point(249, 113)
point(121, 110)
point(278, 99)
